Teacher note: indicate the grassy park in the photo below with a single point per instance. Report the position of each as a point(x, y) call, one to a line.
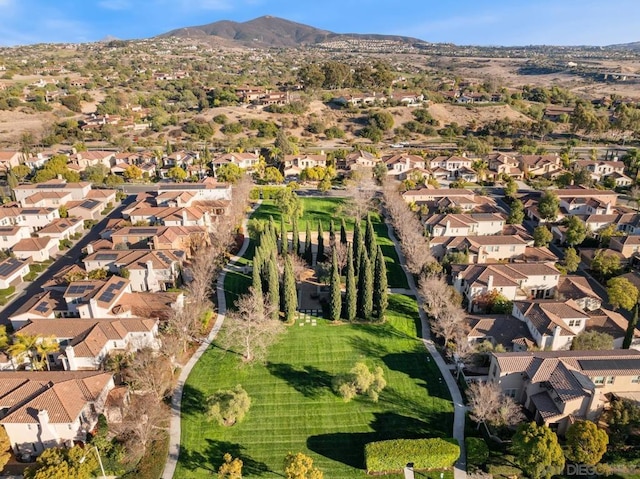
point(294, 409)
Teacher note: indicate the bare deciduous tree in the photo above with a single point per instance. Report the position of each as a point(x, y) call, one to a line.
point(360, 194)
point(489, 405)
point(250, 327)
point(149, 373)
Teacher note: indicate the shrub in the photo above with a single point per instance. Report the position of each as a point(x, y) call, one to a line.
point(264, 192)
point(360, 380)
point(229, 406)
point(477, 451)
point(393, 455)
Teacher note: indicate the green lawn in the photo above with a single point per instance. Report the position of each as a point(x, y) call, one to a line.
point(294, 410)
point(324, 209)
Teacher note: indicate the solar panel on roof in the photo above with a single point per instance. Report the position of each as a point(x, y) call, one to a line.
point(106, 257)
point(89, 204)
point(143, 231)
point(609, 364)
point(43, 307)
point(9, 266)
point(106, 297)
point(30, 212)
point(118, 285)
point(194, 186)
point(6, 229)
point(54, 185)
point(80, 288)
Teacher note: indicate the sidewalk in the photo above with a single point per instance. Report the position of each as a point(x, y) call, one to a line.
point(176, 399)
point(460, 468)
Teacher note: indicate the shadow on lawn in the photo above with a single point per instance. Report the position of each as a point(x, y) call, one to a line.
point(309, 381)
point(419, 366)
point(194, 402)
point(212, 458)
point(348, 448)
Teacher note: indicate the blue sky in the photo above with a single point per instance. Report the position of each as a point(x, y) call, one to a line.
point(478, 22)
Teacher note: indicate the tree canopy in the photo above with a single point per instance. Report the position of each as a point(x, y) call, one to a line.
point(586, 444)
point(537, 451)
point(622, 293)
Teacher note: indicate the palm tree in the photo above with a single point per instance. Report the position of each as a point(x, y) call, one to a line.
point(480, 167)
point(24, 345)
point(46, 346)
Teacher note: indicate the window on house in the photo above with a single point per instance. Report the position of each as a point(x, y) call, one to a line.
point(636, 380)
point(511, 392)
point(611, 379)
point(598, 380)
point(512, 248)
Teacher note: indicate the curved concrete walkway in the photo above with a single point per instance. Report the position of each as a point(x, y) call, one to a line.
point(176, 399)
point(460, 468)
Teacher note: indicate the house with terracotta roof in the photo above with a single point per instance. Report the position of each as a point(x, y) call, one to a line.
point(447, 199)
point(540, 165)
point(40, 410)
point(78, 191)
point(357, 159)
point(9, 159)
point(599, 168)
point(558, 387)
point(12, 271)
point(208, 189)
point(455, 165)
point(44, 305)
point(399, 165)
point(85, 209)
point(245, 160)
point(33, 218)
point(499, 330)
point(185, 238)
point(42, 248)
point(100, 301)
point(93, 158)
point(578, 289)
point(628, 246)
point(503, 164)
point(516, 281)
point(464, 224)
point(47, 199)
point(12, 235)
point(86, 343)
point(63, 228)
point(480, 249)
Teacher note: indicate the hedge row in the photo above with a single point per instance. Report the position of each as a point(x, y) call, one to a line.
point(477, 451)
point(264, 192)
point(394, 455)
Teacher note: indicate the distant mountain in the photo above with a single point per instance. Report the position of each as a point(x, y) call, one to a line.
point(635, 46)
point(273, 32)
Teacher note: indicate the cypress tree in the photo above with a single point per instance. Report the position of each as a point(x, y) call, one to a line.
point(295, 241)
point(357, 247)
point(273, 282)
point(308, 253)
point(380, 294)
point(284, 241)
point(370, 238)
point(631, 327)
point(365, 287)
point(336, 291)
point(289, 292)
point(351, 293)
point(343, 231)
point(256, 279)
point(332, 233)
point(320, 254)
point(272, 230)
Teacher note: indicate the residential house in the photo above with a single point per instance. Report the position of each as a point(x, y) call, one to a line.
point(540, 165)
point(628, 246)
point(578, 289)
point(559, 386)
point(42, 248)
point(358, 159)
point(86, 343)
point(599, 168)
point(399, 165)
point(12, 235)
point(100, 302)
point(451, 199)
point(12, 271)
point(40, 410)
point(247, 160)
point(63, 228)
point(208, 189)
point(457, 166)
point(294, 164)
point(85, 159)
point(515, 281)
point(79, 191)
point(503, 164)
point(44, 305)
point(499, 330)
point(85, 209)
point(9, 159)
point(470, 224)
point(480, 249)
point(47, 199)
point(184, 238)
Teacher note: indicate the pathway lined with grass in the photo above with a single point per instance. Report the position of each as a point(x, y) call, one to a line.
point(175, 425)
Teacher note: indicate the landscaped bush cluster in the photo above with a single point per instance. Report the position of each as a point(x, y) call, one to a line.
point(229, 406)
point(360, 380)
point(264, 192)
point(477, 451)
point(394, 455)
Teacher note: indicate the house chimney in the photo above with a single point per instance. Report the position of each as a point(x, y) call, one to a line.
point(43, 416)
point(185, 218)
point(149, 265)
point(89, 248)
point(490, 283)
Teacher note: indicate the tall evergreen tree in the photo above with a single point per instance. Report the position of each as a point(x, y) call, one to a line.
point(273, 231)
point(273, 282)
point(320, 253)
point(289, 291)
point(380, 293)
point(343, 231)
point(295, 240)
point(631, 328)
point(370, 238)
point(308, 252)
point(365, 287)
point(351, 292)
point(336, 290)
point(357, 247)
point(256, 279)
point(284, 241)
point(332, 233)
